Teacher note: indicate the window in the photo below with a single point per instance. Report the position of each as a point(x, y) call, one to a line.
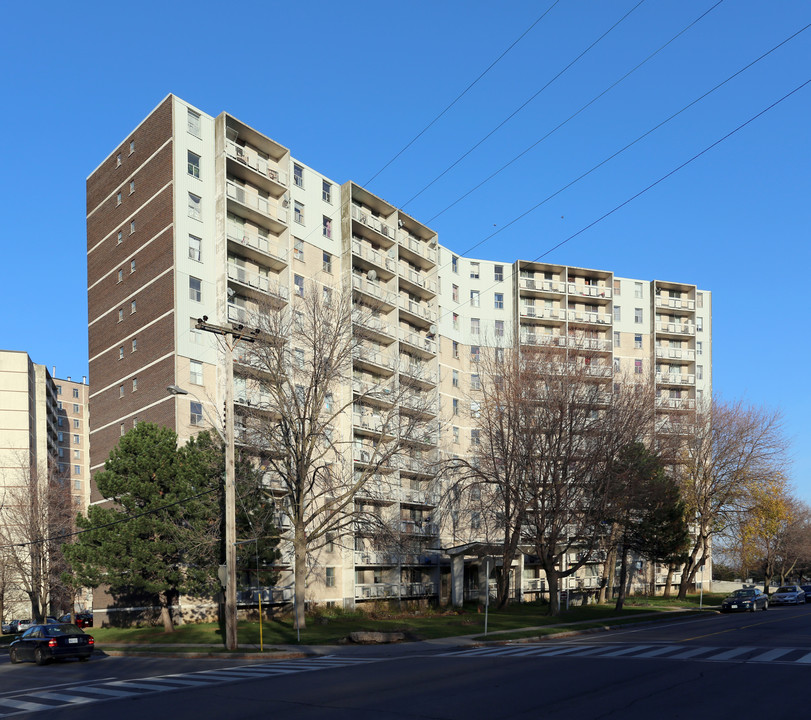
point(617, 313)
point(75, 392)
point(475, 409)
point(298, 175)
point(455, 293)
point(455, 321)
point(75, 407)
point(298, 212)
point(298, 355)
point(60, 421)
point(195, 289)
point(637, 367)
point(193, 164)
point(329, 577)
point(132, 186)
point(75, 439)
point(196, 372)
point(60, 451)
point(699, 348)
point(638, 341)
point(455, 435)
point(616, 339)
point(298, 248)
point(122, 430)
point(193, 123)
point(132, 146)
point(120, 314)
point(132, 266)
point(132, 227)
point(699, 372)
point(474, 436)
point(455, 349)
point(617, 287)
point(700, 300)
point(118, 199)
point(118, 160)
point(77, 454)
point(326, 191)
point(132, 307)
point(700, 324)
point(60, 436)
point(120, 391)
point(58, 389)
point(475, 382)
point(298, 281)
point(455, 263)
point(326, 295)
point(326, 227)
point(120, 237)
point(499, 327)
point(499, 301)
point(455, 406)
point(474, 271)
point(121, 353)
point(616, 365)
point(134, 384)
point(474, 326)
point(120, 275)
point(474, 298)
point(77, 485)
point(195, 247)
point(498, 273)
point(637, 315)
point(195, 213)
point(77, 469)
point(637, 290)
point(134, 344)
point(326, 262)
point(475, 353)
point(195, 413)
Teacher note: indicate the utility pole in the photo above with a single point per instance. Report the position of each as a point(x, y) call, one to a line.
point(232, 336)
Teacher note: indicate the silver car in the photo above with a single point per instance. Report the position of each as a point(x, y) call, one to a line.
point(788, 595)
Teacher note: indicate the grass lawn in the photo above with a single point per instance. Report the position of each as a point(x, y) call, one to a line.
point(328, 627)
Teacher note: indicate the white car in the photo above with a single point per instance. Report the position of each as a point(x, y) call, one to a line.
point(788, 595)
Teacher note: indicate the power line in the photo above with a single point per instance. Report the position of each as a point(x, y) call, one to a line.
point(520, 107)
point(633, 197)
point(574, 115)
point(632, 143)
point(463, 93)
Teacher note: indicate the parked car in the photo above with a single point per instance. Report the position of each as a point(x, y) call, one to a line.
point(80, 619)
point(7, 628)
point(807, 591)
point(788, 595)
point(23, 625)
point(43, 643)
point(745, 600)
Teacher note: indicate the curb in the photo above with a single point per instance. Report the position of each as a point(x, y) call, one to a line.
point(212, 655)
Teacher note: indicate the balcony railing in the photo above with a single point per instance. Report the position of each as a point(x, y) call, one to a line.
point(676, 328)
point(675, 403)
point(418, 372)
point(247, 277)
point(379, 226)
point(256, 202)
point(418, 497)
point(416, 527)
point(374, 357)
point(257, 242)
point(362, 250)
point(371, 322)
point(377, 390)
point(249, 157)
point(422, 310)
point(417, 277)
point(675, 379)
point(418, 341)
point(368, 421)
point(373, 557)
point(419, 247)
point(543, 339)
point(373, 289)
point(581, 343)
point(589, 317)
point(675, 303)
point(595, 291)
point(675, 353)
point(531, 311)
point(555, 286)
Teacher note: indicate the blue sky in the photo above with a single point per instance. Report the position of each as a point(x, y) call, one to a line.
point(347, 85)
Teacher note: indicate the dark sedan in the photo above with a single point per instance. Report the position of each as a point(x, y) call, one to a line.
point(43, 643)
point(745, 600)
point(807, 590)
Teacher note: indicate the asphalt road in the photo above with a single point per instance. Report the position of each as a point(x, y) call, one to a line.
point(719, 666)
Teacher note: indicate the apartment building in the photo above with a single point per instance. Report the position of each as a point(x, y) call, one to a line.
point(194, 215)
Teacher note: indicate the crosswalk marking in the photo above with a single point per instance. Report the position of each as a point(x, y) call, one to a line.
point(729, 654)
point(657, 651)
point(692, 652)
point(805, 659)
point(109, 689)
point(625, 651)
point(771, 655)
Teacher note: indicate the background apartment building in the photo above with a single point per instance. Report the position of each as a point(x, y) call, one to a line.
point(193, 215)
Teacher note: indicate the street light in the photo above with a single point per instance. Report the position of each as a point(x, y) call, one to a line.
point(230, 521)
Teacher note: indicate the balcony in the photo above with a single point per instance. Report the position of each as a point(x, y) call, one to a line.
point(256, 208)
point(589, 318)
point(374, 327)
point(418, 497)
point(663, 403)
point(369, 423)
point(595, 344)
point(540, 286)
point(419, 403)
point(263, 172)
point(373, 557)
point(257, 248)
point(383, 232)
point(422, 465)
point(420, 374)
point(260, 284)
point(532, 312)
point(595, 370)
point(416, 282)
point(674, 303)
point(590, 291)
point(675, 353)
point(675, 379)
point(419, 344)
point(385, 265)
point(371, 390)
point(378, 490)
point(418, 527)
point(420, 313)
point(374, 360)
point(378, 294)
point(543, 340)
point(672, 328)
point(419, 252)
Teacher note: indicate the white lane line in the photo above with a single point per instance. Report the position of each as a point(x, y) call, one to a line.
point(771, 655)
point(729, 654)
point(62, 697)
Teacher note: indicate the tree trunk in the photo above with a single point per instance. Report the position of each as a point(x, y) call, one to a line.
point(166, 611)
point(300, 576)
point(553, 579)
point(691, 568)
point(669, 581)
point(623, 577)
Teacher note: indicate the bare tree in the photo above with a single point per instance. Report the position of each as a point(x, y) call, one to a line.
point(300, 405)
point(36, 519)
point(731, 448)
